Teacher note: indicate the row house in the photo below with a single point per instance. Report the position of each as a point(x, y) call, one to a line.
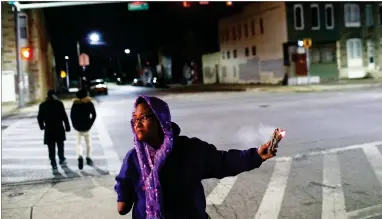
point(262, 44)
point(39, 71)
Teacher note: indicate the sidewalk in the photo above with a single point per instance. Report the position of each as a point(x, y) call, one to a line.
point(85, 198)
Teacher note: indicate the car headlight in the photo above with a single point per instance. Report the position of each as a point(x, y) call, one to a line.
point(135, 80)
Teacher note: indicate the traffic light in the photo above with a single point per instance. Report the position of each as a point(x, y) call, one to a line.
point(229, 3)
point(26, 53)
point(186, 4)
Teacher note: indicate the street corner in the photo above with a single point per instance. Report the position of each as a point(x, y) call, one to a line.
point(22, 196)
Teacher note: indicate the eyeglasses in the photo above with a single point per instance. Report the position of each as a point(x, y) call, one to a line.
point(141, 119)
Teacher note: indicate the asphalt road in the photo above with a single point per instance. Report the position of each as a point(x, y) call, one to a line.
point(310, 178)
point(328, 166)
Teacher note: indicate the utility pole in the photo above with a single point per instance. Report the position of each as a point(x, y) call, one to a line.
point(20, 72)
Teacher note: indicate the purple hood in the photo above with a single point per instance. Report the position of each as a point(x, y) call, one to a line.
point(150, 174)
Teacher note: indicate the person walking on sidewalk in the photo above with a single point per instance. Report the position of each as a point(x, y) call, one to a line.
point(83, 115)
point(161, 176)
point(51, 116)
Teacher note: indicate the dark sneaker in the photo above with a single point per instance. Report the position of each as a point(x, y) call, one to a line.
point(80, 163)
point(89, 161)
point(54, 170)
point(63, 162)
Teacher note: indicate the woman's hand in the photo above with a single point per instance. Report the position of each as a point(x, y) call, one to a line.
point(264, 153)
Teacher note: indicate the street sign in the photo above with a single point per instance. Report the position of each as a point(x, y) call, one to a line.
point(83, 60)
point(63, 74)
point(138, 6)
point(307, 43)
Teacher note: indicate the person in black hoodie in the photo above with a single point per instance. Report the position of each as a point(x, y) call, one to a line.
point(83, 115)
point(51, 118)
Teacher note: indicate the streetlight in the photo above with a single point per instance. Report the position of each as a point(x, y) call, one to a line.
point(127, 51)
point(94, 38)
point(67, 72)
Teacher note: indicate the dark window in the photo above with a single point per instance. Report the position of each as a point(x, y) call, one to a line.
point(314, 14)
point(246, 51)
point(233, 33)
point(261, 26)
point(329, 16)
point(228, 55)
point(298, 17)
point(239, 32)
point(253, 28)
point(234, 53)
point(246, 30)
point(253, 50)
point(23, 27)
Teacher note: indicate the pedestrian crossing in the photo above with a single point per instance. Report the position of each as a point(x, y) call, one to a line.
point(25, 157)
point(336, 183)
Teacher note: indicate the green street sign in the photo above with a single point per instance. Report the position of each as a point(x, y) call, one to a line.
point(138, 6)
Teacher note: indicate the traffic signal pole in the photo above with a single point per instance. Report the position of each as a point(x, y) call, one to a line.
point(20, 72)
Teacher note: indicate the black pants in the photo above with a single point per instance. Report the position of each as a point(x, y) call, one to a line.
point(52, 152)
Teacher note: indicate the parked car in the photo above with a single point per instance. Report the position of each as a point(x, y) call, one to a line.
point(137, 82)
point(98, 86)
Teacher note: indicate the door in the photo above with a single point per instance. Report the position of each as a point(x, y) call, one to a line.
point(354, 58)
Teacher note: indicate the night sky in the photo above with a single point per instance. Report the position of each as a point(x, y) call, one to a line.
point(166, 25)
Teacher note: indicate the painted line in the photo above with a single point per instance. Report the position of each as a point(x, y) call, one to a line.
point(364, 213)
point(36, 137)
point(112, 158)
point(40, 149)
point(333, 199)
point(34, 167)
point(329, 151)
point(271, 204)
point(16, 143)
point(374, 157)
point(42, 157)
point(220, 192)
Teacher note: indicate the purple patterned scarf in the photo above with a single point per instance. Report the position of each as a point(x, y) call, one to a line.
point(150, 169)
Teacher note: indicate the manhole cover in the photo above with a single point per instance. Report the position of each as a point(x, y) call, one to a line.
point(264, 106)
point(16, 194)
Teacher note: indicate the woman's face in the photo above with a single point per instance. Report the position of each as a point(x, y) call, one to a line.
point(145, 123)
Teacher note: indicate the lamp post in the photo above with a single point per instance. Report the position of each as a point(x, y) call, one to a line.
point(67, 72)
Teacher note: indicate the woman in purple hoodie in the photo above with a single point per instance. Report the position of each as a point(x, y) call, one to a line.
point(161, 176)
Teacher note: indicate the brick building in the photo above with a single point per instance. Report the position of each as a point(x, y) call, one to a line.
point(39, 71)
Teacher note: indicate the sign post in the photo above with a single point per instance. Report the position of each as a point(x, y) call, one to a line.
point(307, 45)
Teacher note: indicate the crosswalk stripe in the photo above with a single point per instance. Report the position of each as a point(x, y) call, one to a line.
point(375, 159)
point(220, 192)
point(34, 167)
point(38, 149)
point(333, 199)
point(271, 204)
point(41, 157)
point(369, 212)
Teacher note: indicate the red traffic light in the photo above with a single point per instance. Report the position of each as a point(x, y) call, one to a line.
point(186, 4)
point(26, 53)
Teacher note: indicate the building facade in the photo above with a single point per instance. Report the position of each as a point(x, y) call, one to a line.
point(265, 41)
point(39, 71)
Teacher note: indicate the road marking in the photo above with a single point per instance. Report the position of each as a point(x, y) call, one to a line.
point(271, 204)
point(37, 149)
point(375, 159)
point(220, 192)
point(113, 161)
point(38, 136)
point(15, 143)
point(333, 199)
point(41, 157)
point(35, 167)
point(364, 213)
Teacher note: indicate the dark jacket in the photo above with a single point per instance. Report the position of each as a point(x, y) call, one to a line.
point(83, 114)
point(51, 116)
point(190, 161)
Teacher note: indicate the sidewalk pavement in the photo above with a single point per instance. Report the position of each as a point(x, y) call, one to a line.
point(85, 198)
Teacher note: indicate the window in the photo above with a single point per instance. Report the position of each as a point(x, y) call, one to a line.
point(233, 33)
point(354, 48)
point(315, 13)
point(246, 30)
point(369, 15)
point(298, 17)
point(239, 31)
point(234, 53)
point(23, 26)
point(246, 51)
point(352, 15)
point(315, 55)
point(380, 14)
point(328, 55)
point(253, 50)
point(261, 26)
point(228, 55)
point(253, 28)
point(329, 16)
